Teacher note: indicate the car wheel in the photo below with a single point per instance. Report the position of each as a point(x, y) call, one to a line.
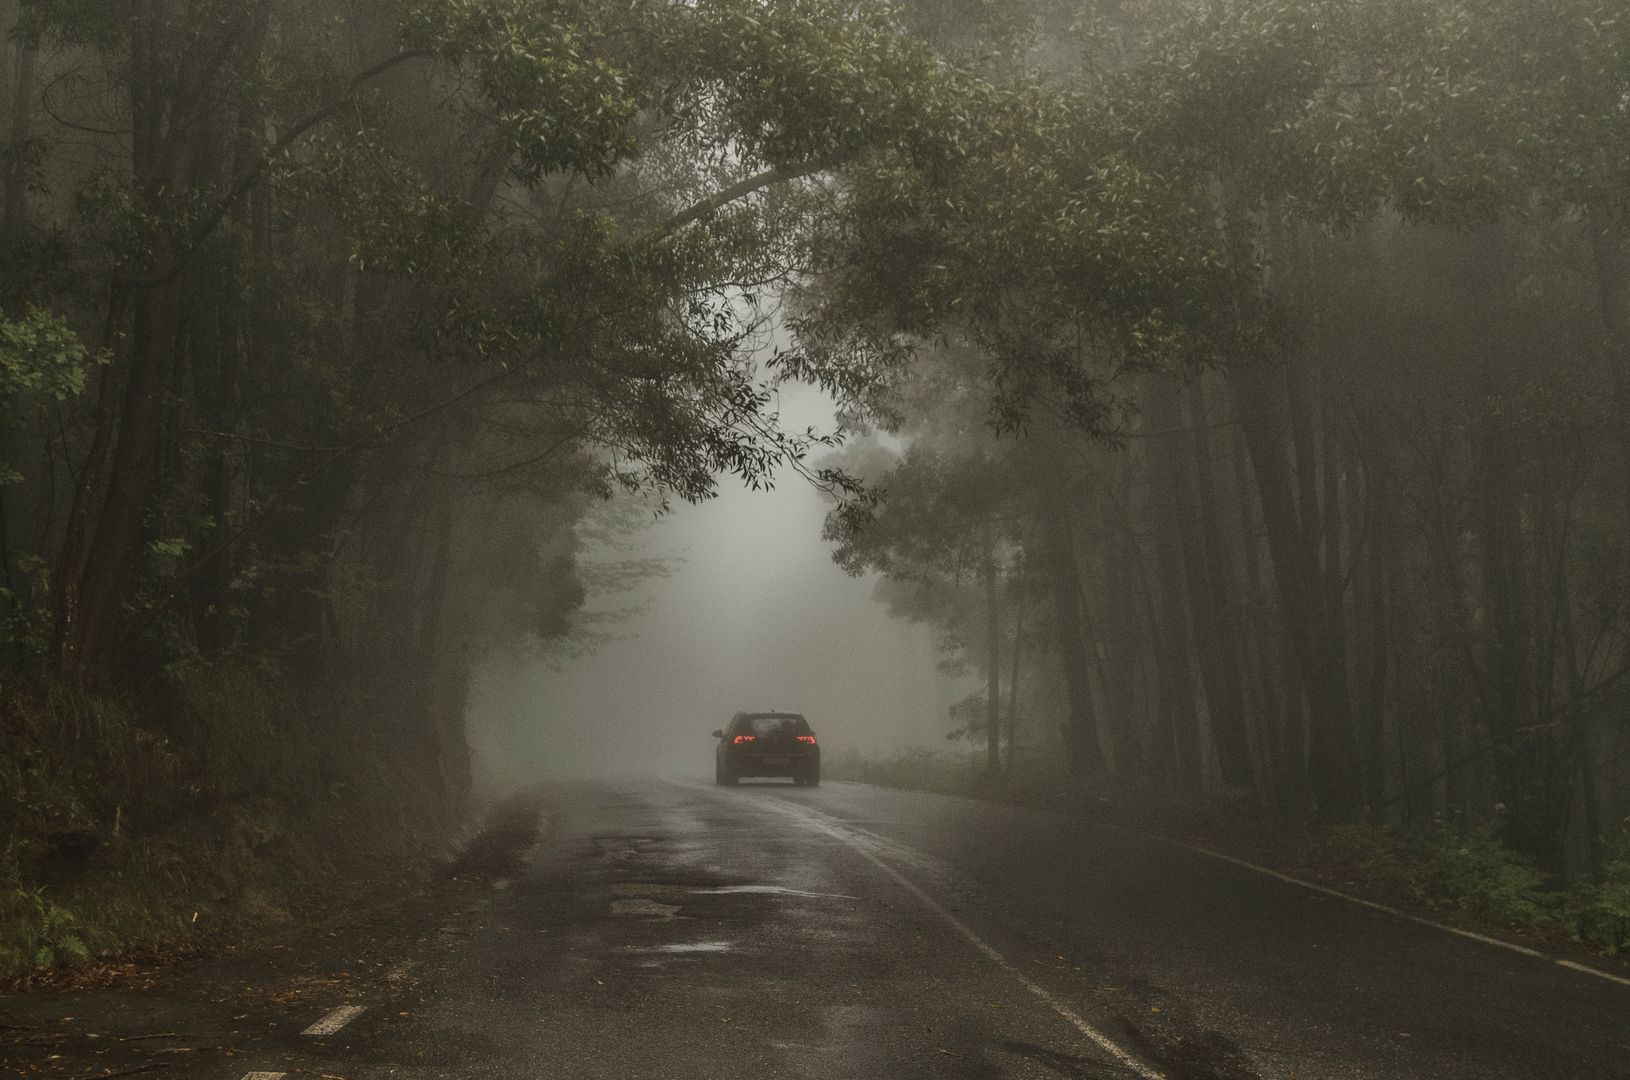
point(812, 778)
point(722, 774)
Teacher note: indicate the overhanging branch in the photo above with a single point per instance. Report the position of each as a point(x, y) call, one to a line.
point(739, 190)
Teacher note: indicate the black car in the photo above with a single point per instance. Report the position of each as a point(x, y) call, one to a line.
point(767, 744)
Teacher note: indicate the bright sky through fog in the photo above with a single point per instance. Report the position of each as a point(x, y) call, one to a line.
point(757, 616)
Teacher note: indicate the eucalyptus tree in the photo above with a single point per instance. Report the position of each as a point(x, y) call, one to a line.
point(1164, 205)
point(427, 248)
point(945, 519)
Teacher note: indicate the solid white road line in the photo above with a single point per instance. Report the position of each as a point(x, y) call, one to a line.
point(1571, 965)
point(1509, 946)
point(831, 826)
point(1588, 970)
point(1338, 894)
point(334, 1020)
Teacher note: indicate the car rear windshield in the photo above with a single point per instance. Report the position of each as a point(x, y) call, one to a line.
point(764, 726)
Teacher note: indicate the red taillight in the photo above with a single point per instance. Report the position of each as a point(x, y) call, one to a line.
point(739, 739)
point(810, 739)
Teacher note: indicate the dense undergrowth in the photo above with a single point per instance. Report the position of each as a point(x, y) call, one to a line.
point(1462, 874)
point(236, 800)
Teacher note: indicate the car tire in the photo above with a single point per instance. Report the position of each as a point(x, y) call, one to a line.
point(808, 777)
point(722, 774)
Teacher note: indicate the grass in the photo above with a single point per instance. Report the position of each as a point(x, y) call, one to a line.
point(237, 803)
point(1463, 877)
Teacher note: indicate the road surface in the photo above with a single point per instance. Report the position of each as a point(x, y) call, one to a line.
point(667, 929)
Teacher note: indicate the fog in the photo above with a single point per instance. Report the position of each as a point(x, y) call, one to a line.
point(752, 615)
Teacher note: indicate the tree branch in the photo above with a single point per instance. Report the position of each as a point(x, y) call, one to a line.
point(251, 176)
point(739, 190)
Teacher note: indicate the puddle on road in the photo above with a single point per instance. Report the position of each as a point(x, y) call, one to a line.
point(682, 947)
point(654, 888)
point(621, 848)
point(644, 907)
point(773, 890)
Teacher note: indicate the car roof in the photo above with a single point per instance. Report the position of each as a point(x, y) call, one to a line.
point(768, 716)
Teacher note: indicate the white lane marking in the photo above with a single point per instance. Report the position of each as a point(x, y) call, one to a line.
point(1588, 970)
point(1522, 950)
point(264, 1076)
point(1571, 965)
point(1338, 894)
point(1509, 946)
point(819, 822)
point(334, 1020)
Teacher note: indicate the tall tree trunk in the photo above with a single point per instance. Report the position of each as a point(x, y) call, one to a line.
point(1081, 729)
point(1181, 586)
point(1113, 657)
point(1517, 747)
point(1378, 647)
point(993, 658)
point(1334, 761)
point(434, 599)
point(14, 179)
point(1611, 260)
point(1191, 503)
point(115, 550)
point(146, 355)
point(1263, 639)
point(1230, 726)
point(1016, 664)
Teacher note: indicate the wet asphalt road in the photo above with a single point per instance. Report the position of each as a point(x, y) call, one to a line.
point(668, 929)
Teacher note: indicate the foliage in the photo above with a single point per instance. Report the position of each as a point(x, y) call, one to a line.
point(1601, 913)
point(40, 354)
point(1477, 873)
point(123, 828)
point(38, 933)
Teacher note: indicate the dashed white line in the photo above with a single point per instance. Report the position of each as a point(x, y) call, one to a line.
point(264, 1076)
point(335, 1020)
point(820, 822)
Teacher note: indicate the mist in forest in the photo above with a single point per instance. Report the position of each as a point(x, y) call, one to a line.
point(1237, 399)
point(751, 614)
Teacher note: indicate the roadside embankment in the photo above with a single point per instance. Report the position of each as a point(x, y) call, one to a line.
point(1463, 878)
point(235, 803)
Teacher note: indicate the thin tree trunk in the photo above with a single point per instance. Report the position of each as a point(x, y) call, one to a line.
point(1210, 601)
point(1264, 640)
point(1169, 497)
point(1081, 729)
point(1377, 541)
point(1016, 665)
point(14, 181)
point(1612, 264)
point(1335, 774)
point(993, 658)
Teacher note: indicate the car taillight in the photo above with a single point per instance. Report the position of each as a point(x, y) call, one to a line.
point(810, 739)
point(739, 739)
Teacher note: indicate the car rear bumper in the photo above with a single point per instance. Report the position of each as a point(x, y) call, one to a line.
point(772, 764)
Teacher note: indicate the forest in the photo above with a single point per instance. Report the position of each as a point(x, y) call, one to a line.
point(1241, 386)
